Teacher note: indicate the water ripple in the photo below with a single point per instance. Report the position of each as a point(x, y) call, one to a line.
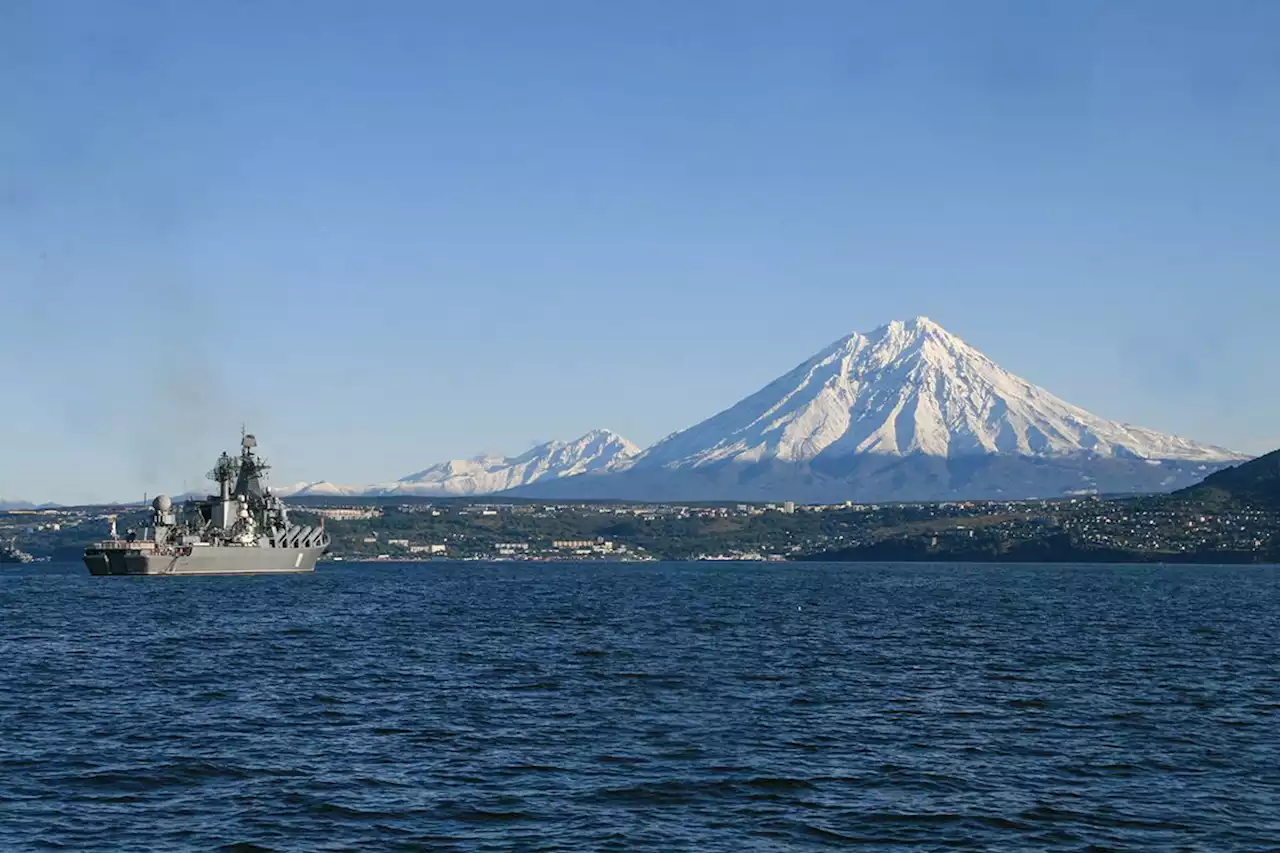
point(671, 707)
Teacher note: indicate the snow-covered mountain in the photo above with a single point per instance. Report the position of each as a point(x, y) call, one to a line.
point(320, 488)
point(910, 388)
point(598, 452)
point(907, 412)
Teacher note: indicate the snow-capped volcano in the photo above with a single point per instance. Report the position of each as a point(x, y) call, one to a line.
point(599, 451)
point(906, 412)
point(910, 387)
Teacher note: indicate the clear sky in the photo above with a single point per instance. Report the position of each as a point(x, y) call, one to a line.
point(389, 233)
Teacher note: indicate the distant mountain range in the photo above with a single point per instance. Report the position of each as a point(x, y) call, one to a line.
point(598, 452)
point(907, 412)
point(7, 504)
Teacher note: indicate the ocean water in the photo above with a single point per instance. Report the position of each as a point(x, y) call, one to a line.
point(581, 707)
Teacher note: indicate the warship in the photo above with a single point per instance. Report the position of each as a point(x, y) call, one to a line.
point(11, 553)
point(244, 529)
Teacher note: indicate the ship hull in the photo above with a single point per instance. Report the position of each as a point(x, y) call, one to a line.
point(205, 561)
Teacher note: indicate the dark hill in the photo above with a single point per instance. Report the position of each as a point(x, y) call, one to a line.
point(1256, 483)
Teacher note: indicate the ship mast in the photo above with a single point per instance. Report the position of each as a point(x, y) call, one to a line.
point(252, 474)
point(224, 473)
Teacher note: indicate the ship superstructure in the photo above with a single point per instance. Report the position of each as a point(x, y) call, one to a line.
point(243, 529)
point(11, 553)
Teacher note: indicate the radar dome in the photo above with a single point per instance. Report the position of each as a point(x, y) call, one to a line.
point(162, 503)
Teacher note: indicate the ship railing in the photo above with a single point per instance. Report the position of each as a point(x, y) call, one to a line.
point(126, 545)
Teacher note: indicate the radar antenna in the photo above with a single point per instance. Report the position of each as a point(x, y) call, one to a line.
point(226, 471)
point(252, 471)
point(251, 463)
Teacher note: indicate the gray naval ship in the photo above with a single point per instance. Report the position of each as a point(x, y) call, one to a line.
point(244, 529)
point(11, 553)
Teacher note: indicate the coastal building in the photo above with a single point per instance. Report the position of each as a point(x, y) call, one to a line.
point(585, 546)
point(511, 547)
point(427, 549)
point(347, 513)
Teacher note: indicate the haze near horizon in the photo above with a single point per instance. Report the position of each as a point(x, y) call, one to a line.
point(387, 236)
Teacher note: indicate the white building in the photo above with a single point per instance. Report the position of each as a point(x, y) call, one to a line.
point(426, 549)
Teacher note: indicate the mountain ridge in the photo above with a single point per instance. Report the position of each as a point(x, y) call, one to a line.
point(598, 451)
point(906, 412)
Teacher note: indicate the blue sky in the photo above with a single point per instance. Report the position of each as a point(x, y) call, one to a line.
point(389, 233)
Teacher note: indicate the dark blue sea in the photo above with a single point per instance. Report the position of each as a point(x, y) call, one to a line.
point(595, 707)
